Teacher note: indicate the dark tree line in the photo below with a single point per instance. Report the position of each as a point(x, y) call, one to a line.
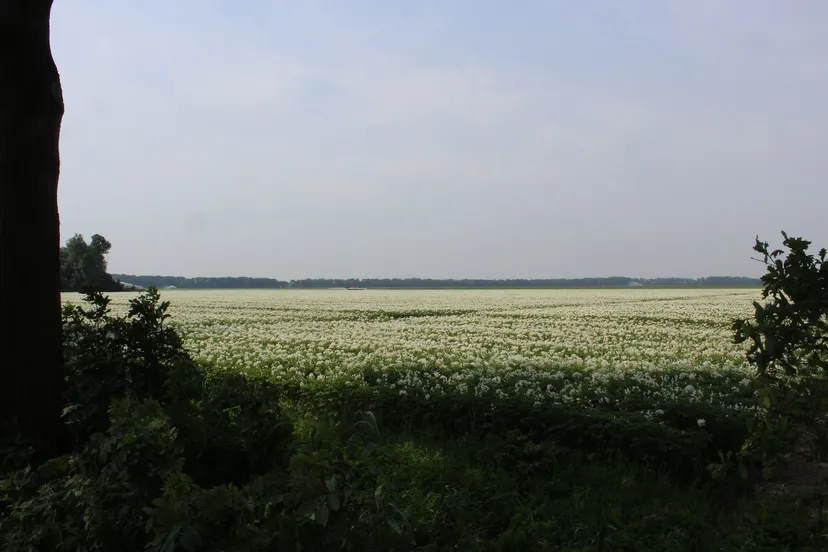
point(84, 264)
point(201, 283)
point(615, 281)
point(424, 283)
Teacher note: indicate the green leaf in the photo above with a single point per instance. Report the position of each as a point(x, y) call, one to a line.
point(169, 545)
point(765, 397)
point(395, 525)
point(333, 501)
point(369, 450)
point(190, 538)
point(307, 507)
point(378, 496)
point(322, 514)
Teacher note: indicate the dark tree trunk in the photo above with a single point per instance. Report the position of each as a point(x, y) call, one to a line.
point(31, 109)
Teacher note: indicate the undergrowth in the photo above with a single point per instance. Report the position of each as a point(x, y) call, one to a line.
point(170, 455)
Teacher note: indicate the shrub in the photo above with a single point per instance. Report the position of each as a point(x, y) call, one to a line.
point(93, 499)
point(788, 345)
point(144, 418)
point(236, 431)
point(108, 358)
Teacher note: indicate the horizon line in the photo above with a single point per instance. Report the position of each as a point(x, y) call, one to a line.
point(522, 278)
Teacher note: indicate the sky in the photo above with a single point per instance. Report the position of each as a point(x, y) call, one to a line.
point(442, 139)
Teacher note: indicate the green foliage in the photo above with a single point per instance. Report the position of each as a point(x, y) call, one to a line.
point(168, 456)
point(514, 492)
point(141, 412)
point(789, 333)
point(235, 432)
point(788, 344)
point(108, 358)
point(93, 498)
point(84, 264)
point(675, 442)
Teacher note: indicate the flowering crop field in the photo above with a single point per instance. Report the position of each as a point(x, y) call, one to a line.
point(622, 349)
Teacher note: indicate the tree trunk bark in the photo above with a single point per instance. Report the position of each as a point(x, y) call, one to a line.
point(31, 110)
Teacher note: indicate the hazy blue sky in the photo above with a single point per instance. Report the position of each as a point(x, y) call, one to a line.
point(464, 138)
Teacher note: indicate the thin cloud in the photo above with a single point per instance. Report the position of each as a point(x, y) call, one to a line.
point(595, 139)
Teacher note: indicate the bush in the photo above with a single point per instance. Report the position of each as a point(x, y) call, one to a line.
point(235, 432)
point(108, 358)
point(788, 345)
point(143, 415)
point(170, 456)
point(93, 499)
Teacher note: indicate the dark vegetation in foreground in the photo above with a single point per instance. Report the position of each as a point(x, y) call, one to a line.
point(428, 283)
point(169, 455)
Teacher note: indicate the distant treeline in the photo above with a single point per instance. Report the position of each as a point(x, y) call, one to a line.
point(427, 283)
point(614, 281)
point(201, 283)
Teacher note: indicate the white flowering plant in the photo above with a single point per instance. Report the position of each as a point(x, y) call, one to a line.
point(445, 357)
